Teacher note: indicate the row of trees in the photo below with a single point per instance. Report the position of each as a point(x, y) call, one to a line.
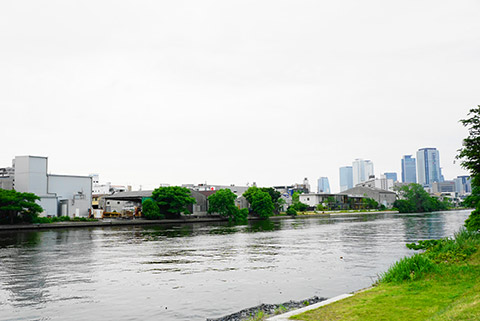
point(16, 207)
point(264, 202)
point(171, 202)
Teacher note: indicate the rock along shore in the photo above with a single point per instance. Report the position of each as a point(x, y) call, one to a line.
point(269, 309)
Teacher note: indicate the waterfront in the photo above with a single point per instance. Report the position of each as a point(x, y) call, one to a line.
point(195, 271)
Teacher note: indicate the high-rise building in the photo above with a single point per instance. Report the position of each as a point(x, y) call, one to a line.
point(463, 185)
point(409, 172)
point(392, 176)
point(428, 166)
point(323, 186)
point(362, 170)
point(346, 178)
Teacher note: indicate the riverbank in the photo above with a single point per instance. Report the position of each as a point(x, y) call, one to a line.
point(185, 220)
point(442, 285)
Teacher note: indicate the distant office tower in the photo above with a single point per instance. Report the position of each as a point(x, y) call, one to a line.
point(323, 186)
point(346, 178)
point(409, 169)
point(392, 176)
point(428, 166)
point(463, 185)
point(362, 170)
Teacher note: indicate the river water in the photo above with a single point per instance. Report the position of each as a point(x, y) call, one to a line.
point(199, 271)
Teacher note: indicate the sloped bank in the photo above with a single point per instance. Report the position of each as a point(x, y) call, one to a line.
point(440, 283)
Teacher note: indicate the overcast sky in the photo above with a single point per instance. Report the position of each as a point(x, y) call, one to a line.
point(230, 92)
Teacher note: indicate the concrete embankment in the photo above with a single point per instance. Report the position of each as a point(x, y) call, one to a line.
point(124, 222)
point(105, 223)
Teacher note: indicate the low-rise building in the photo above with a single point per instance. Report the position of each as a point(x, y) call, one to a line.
point(380, 183)
point(333, 201)
point(443, 187)
point(60, 195)
point(384, 197)
point(236, 189)
point(6, 177)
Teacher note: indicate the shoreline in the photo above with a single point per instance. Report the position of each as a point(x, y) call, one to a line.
point(186, 220)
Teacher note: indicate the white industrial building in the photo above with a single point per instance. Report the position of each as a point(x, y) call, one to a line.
point(60, 195)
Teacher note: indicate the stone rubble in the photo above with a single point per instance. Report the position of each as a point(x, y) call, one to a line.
point(269, 309)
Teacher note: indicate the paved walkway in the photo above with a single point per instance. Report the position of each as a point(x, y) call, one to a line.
point(285, 316)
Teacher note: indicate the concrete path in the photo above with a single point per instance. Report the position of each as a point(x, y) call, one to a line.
point(285, 316)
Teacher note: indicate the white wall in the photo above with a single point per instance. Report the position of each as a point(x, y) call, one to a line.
point(309, 199)
point(31, 175)
point(76, 189)
point(49, 205)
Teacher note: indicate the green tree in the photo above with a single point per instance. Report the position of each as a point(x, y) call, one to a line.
point(260, 202)
point(469, 155)
point(370, 203)
point(173, 200)
point(291, 211)
point(18, 207)
point(150, 210)
point(248, 194)
point(296, 197)
point(416, 200)
point(331, 202)
point(223, 203)
point(299, 206)
point(275, 195)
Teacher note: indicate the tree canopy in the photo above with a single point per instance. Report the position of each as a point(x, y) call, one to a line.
point(260, 201)
point(223, 203)
point(173, 200)
point(416, 200)
point(18, 207)
point(150, 210)
point(469, 155)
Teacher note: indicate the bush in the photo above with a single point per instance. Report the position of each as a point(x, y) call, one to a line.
point(291, 211)
point(408, 268)
point(448, 250)
point(46, 220)
point(299, 206)
point(472, 223)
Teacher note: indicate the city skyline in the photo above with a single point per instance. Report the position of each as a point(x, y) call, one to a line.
point(345, 171)
point(229, 93)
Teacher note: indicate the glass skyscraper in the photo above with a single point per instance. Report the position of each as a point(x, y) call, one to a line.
point(346, 178)
point(428, 166)
point(323, 186)
point(409, 172)
point(392, 176)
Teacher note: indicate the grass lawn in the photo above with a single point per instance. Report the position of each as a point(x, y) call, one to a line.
point(449, 291)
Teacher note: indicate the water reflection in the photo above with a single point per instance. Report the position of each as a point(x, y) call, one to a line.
point(263, 226)
point(195, 271)
point(35, 271)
